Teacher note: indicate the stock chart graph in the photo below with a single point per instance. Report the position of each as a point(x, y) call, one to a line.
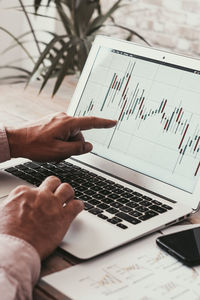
point(158, 112)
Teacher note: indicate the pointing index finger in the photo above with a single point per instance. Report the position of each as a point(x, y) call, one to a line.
point(85, 123)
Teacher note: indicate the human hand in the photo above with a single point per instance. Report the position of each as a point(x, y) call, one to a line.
point(41, 216)
point(54, 138)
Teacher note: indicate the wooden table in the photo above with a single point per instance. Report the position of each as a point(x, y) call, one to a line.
point(17, 106)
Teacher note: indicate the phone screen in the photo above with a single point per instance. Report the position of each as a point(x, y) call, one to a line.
point(184, 245)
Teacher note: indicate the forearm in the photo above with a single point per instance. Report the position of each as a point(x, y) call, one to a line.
point(19, 268)
point(4, 146)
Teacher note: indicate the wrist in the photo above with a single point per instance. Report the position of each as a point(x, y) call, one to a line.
point(15, 142)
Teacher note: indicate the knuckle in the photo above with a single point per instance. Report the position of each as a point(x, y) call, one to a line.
point(68, 187)
point(21, 189)
point(58, 116)
point(61, 115)
point(53, 178)
point(77, 206)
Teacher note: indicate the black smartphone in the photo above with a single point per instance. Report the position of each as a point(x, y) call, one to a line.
point(184, 245)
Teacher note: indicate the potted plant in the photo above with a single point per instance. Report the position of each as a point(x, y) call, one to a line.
point(65, 53)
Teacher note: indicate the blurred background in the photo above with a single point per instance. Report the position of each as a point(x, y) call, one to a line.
point(168, 24)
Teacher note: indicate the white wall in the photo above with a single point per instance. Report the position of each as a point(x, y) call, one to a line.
point(15, 22)
point(169, 24)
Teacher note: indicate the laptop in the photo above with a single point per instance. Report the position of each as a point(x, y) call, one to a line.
point(142, 175)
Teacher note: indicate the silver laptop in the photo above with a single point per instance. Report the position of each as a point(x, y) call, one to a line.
point(143, 174)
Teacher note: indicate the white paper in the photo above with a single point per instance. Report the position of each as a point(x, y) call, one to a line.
point(138, 271)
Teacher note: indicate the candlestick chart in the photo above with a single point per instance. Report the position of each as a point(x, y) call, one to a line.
point(158, 116)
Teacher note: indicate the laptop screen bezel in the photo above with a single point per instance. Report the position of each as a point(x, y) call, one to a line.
point(134, 177)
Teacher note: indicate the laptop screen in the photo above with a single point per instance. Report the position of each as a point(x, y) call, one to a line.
point(157, 106)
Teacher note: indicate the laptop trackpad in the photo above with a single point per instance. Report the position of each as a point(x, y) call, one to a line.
point(89, 236)
point(8, 182)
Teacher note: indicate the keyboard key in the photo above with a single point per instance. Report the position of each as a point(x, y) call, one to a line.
point(107, 200)
point(114, 196)
point(122, 226)
point(137, 194)
point(95, 211)
point(103, 206)
point(112, 210)
point(135, 213)
point(145, 203)
point(116, 204)
point(22, 168)
point(90, 192)
point(158, 209)
point(156, 202)
point(97, 188)
point(142, 208)
point(117, 191)
point(32, 165)
point(132, 204)
point(125, 209)
point(10, 170)
point(114, 220)
point(94, 202)
point(98, 196)
point(147, 198)
point(102, 216)
point(82, 189)
point(127, 190)
point(148, 215)
point(136, 199)
point(87, 206)
point(83, 197)
point(127, 218)
point(89, 185)
point(127, 195)
point(104, 192)
point(166, 206)
point(79, 195)
point(123, 200)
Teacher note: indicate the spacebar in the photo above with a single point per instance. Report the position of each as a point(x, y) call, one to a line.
point(127, 218)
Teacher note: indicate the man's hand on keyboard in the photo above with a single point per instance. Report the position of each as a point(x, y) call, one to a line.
point(41, 216)
point(54, 138)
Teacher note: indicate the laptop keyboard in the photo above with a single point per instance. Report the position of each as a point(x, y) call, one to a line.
point(104, 198)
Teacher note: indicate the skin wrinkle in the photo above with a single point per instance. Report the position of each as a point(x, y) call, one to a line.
point(28, 214)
